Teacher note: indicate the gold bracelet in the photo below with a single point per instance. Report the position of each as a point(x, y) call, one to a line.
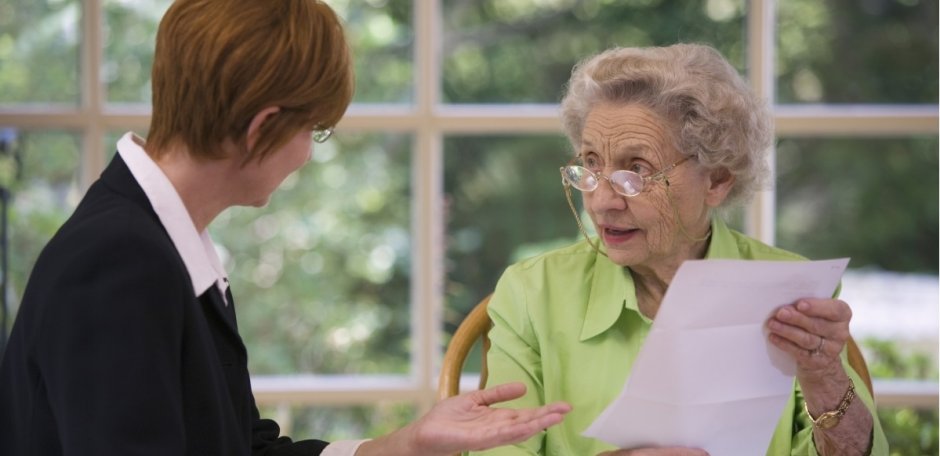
point(830, 419)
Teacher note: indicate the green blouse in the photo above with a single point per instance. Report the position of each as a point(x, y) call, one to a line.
point(566, 324)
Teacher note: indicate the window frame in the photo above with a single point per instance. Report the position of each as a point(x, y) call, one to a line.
point(430, 121)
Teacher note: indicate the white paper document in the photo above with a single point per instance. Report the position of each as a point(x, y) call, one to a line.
point(707, 376)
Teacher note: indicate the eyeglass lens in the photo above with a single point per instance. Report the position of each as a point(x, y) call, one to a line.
point(320, 136)
point(624, 182)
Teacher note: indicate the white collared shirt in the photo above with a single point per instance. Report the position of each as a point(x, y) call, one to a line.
point(197, 250)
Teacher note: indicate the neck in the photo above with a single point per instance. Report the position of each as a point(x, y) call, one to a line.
point(201, 184)
point(652, 280)
point(650, 289)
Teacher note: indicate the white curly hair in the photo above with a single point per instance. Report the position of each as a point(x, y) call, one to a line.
point(715, 117)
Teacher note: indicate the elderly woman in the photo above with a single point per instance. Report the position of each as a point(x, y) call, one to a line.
point(664, 138)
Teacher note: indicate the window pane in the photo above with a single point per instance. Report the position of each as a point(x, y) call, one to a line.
point(523, 51)
point(40, 169)
point(847, 51)
point(130, 31)
point(504, 203)
point(111, 138)
point(340, 423)
point(911, 431)
point(874, 200)
point(39, 51)
point(321, 275)
point(381, 37)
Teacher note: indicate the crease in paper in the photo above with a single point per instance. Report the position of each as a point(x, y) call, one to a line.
point(706, 376)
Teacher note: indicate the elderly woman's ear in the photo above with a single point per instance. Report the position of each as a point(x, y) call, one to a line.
point(720, 182)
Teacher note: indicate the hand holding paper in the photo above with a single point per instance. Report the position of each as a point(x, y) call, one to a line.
point(814, 332)
point(707, 376)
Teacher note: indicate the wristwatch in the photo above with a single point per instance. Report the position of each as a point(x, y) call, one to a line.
point(830, 419)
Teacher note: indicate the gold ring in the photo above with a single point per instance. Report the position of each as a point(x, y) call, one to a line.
point(818, 348)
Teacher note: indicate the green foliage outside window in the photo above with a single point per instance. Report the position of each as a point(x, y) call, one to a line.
point(910, 431)
point(496, 51)
point(39, 51)
point(849, 51)
point(322, 276)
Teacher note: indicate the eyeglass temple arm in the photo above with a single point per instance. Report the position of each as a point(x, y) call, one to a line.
point(577, 218)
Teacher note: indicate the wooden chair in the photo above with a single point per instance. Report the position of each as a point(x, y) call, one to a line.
point(474, 327)
point(857, 361)
point(477, 324)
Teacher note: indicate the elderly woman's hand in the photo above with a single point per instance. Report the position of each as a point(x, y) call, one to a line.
point(814, 331)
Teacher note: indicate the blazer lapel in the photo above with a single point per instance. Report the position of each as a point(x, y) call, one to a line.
point(213, 299)
point(117, 178)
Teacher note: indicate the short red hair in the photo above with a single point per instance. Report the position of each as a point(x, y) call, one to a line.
point(218, 63)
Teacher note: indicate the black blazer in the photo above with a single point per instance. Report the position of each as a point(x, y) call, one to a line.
point(111, 353)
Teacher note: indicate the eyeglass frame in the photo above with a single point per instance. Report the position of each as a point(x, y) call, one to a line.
point(660, 175)
point(320, 135)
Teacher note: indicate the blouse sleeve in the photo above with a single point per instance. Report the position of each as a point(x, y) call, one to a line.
point(799, 435)
point(514, 356)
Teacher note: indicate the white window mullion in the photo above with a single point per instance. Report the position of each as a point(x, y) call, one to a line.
point(856, 120)
point(761, 25)
point(427, 202)
point(92, 93)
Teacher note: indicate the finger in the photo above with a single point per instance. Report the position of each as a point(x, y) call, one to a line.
point(788, 346)
point(828, 309)
point(691, 452)
point(527, 415)
point(499, 393)
point(792, 317)
point(546, 421)
point(555, 408)
point(517, 432)
point(671, 451)
point(824, 352)
point(832, 331)
point(558, 407)
point(837, 331)
point(796, 335)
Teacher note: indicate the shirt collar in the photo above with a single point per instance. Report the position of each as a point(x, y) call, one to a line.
point(197, 250)
point(611, 291)
point(612, 287)
point(723, 243)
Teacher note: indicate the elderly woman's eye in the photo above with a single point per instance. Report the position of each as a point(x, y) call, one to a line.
point(640, 169)
point(591, 163)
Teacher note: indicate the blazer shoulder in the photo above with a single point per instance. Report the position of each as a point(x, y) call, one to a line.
point(104, 215)
point(107, 235)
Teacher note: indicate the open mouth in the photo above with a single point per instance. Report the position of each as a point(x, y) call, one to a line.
point(617, 235)
point(617, 232)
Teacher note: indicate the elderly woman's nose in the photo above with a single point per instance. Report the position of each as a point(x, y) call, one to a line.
point(604, 198)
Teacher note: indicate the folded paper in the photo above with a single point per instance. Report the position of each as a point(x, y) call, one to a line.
point(707, 376)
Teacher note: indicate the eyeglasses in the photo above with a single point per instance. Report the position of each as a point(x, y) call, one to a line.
point(320, 136)
point(626, 183)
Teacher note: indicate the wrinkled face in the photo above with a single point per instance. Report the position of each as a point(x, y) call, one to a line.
point(261, 178)
point(642, 230)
